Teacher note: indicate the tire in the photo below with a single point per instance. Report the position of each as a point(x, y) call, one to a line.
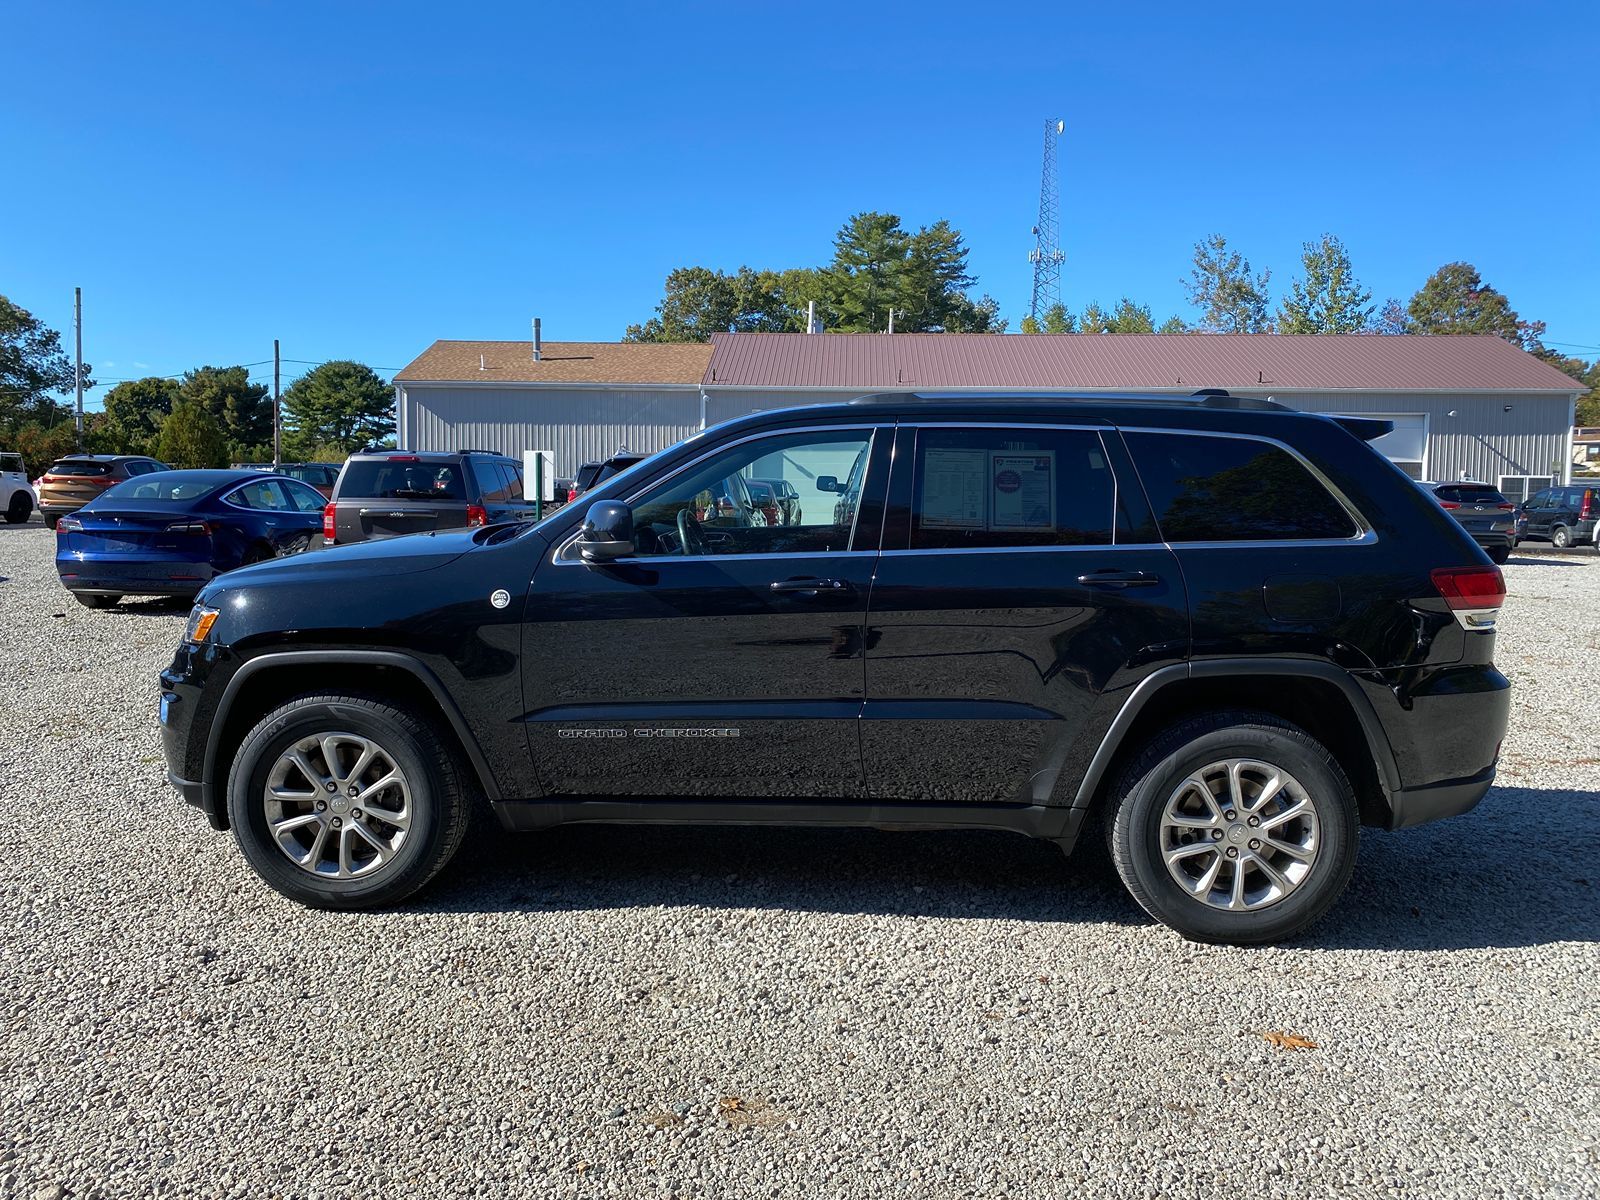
point(1139, 828)
point(298, 546)
point(1500, 554)
point(1561, 537)
point(20, 508)
point(51, 520)
point(88, 600)
point(433, 796)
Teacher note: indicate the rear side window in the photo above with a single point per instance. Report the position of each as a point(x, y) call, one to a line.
point(978, 488)
point(399, 479)
point(1229, 489)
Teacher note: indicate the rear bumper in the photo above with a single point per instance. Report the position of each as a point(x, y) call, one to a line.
point(1418, 806)
point(134, 578)
point(1493, 541)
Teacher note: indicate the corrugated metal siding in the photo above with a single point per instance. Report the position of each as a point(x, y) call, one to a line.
point(578, 424)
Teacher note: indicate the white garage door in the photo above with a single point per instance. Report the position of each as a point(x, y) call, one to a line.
point(1406, 445)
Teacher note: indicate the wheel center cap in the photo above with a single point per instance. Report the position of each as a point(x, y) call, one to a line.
point(339, 805)
point(1238, 834)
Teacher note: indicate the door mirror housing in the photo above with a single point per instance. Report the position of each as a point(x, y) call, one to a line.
point(607, 532)
point(828, 483)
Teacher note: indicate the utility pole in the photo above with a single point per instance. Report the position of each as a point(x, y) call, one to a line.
point(77, 370)
point(277, 411)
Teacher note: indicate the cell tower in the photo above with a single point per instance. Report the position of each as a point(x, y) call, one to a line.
point(1046, 255)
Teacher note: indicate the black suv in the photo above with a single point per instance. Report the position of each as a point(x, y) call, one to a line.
point(387, 493)
point(1225, 633)
point(1564, 516)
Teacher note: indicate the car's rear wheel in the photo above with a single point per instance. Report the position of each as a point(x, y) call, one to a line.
point(51, 520)
point(89, 600)
point(20, 508)
point(347, 801)
point(1561, 537)
point(1234, 827)
point(1500, 554)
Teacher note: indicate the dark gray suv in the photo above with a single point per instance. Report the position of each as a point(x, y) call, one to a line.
point(388, 493)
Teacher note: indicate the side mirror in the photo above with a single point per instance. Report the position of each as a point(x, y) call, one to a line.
point(827, 483)
point(607, 532)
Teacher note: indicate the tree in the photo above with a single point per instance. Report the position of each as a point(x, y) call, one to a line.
point(1173, 324)
point(1392, 318)
point(700, 302)
point(32, 367)
point(192, 437)
point(1328, 299)
point(1127, 317)
point(868, 272)
point(933, 289)
point(1589, 406)
point(136, 409)
point(1456, 300)
point(339, 404)
point(1231, 299)
point(242, 409)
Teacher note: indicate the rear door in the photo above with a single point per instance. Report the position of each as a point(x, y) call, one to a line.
point(724, 660)
point(399, 494)
point(1020, 580)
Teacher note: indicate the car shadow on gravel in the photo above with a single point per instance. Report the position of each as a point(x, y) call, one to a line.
point(958, 874)
point(1530, 560)
point(1518, 871)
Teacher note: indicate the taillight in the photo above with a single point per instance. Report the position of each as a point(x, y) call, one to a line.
point(1449, 504)
point(572, 494)
point(1506, 507)
point(476, 515)
point(330, 524)
point(1586, 509)
point(69, 525)
point(1474, 594)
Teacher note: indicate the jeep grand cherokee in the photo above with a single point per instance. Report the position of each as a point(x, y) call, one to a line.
point(1226, 634)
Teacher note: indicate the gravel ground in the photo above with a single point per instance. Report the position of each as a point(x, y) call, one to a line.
point(740, 1013)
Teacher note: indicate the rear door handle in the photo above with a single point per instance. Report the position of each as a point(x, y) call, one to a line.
point(810, 589)
point(1119, 579)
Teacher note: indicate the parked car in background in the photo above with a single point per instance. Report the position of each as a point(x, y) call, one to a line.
point(788, 497)
point(389, 493)
point(170, 533)
point(17, 497)
point(1563, 516)
point(321, 476)
point(72, 482)
point(1482, 511)
point(592, 474)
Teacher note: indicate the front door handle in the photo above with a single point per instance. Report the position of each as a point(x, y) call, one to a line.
point(810, 589)
point(1119, 579)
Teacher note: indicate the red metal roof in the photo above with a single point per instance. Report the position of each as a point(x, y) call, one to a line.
point(1129, 361)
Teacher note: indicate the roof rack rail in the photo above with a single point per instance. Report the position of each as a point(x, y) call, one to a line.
point(1204, 398)
point(496, 453)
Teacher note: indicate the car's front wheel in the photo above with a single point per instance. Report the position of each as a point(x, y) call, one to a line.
point(347, 801)
point(20, 508)
point(1234, 827)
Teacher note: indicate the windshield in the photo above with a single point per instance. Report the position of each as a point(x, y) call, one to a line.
point(399, 479)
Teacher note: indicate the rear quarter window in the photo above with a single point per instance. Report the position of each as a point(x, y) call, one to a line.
point(1233, 489)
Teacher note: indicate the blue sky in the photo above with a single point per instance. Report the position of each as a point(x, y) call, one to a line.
point(360, 179)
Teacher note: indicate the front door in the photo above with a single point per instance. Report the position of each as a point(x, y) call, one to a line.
point(1022, 584)
point(725, 658)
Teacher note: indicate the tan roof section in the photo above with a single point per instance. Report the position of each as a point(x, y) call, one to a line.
point(1132, 361)
point(562, 362)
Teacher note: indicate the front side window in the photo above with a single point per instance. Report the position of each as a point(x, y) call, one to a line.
point(1233, 489)
point(709, 508)
point(987, 488)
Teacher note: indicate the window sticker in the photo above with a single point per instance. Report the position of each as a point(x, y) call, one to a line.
point(952, 488)
point(1024, 491)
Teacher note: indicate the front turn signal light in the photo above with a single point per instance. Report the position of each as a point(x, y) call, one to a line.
point(200, 622)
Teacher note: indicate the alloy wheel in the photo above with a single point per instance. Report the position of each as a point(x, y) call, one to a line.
point(1239, 834)
point(338, 805)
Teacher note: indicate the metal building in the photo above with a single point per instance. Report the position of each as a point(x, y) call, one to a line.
point(1462, 406)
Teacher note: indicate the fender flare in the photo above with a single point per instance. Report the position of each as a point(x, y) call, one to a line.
point(322, 658)
point(1218, 668)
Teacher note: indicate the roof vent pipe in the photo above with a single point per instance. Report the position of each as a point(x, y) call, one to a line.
point(482, 365)
point(811, 317)
point(538, 353)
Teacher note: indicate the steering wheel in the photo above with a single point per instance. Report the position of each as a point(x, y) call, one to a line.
point(689, 539)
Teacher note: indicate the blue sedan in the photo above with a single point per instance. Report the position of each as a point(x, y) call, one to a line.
point(169, 533)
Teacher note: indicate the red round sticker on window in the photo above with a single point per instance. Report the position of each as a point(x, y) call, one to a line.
point(1008, 481)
